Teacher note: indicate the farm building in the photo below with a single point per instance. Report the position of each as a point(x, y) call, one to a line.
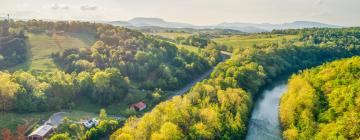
point(138, 106)
point(41, 132)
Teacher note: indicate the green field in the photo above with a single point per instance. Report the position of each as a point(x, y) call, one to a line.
point(173, 35)
point(250, 40)
point(41, 46)
point(119, 108)
point(11, 120)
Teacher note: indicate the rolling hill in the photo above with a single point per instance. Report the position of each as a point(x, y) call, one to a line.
point(269, 27)
point(143, 22)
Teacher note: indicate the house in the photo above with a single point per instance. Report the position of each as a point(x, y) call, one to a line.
point(138, 106)
point(41, 132)
point(90, 123)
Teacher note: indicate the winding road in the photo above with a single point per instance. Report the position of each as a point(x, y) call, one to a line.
point(187, 87)
point(191, 84)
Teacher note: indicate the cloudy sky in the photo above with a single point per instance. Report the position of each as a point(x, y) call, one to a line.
point(200, 12)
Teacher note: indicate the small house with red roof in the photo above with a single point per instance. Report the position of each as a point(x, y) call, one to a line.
point(138, 106)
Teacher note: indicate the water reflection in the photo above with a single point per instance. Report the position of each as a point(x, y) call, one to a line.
point(264, 122)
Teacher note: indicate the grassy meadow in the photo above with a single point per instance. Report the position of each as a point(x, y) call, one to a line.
point(41, 46)
point(250, 40)
point(189, 48)
point(11, 120)
point(173, 35)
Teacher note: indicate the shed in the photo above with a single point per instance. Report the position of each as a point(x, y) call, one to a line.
point(138, 106)
point(41, 132)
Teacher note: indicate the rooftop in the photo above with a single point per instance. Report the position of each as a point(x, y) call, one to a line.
point(139, 105)
point(42, 130)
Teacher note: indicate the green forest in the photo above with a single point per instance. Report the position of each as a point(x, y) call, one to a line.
point(323, 102)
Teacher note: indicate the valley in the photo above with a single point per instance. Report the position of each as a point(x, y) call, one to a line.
point(203, 84)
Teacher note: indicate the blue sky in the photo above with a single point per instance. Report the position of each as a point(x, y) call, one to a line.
point(199, 12)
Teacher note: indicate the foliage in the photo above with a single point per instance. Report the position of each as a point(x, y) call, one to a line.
point(104, 128)
point(144, 59)
point(75, 130)
point(323, 102)
point(62, 136)
point(198, 40)
point(25, 92)
point(218, 108)
point(19, 135)
point(13, 51)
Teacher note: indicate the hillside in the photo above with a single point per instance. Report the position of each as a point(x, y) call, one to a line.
point(219, 107)
point(42, 46)
point(323, 102)
point(148, 22)
point(244, 41)
point(269, 27)
point(142, 22)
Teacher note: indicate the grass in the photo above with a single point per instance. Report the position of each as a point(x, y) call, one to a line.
point(119, 108)
point(41, 46)
point(250, 40)
point(189, 48)
point(173, 35)
point(79, 115)
point(11, 120)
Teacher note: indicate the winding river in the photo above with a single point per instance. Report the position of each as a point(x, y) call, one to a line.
point(264, 122)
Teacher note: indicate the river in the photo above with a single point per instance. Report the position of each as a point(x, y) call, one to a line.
point(264, 122)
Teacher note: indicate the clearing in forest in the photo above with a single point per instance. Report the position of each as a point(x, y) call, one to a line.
point(41, 46)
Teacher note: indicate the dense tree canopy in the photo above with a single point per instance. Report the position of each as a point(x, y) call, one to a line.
point(13, 49)
point(101, 73)
point(25, 92)
point(323, 102)
point(144, 59)
point(198, 40)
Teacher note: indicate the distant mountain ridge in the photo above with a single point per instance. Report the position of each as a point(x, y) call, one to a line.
point(269, 27)
point(156, 22)
point(244, 27)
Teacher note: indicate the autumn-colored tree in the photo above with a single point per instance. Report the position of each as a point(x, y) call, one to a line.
point(20, 131)
point(7, 135)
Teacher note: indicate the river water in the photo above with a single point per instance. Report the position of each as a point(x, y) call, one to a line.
point(264, 122)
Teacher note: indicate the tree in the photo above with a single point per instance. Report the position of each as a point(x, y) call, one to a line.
point(102, 114)
point(110, 86)
point(7, 91)
point(62, 91)
point(168, 131)
point(62, 136)
point(328, 93)
point(20, 131)
point(6, 134)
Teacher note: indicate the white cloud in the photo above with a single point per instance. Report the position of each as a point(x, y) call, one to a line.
point(321, 14)
point(88, 8)
point(59, 7)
